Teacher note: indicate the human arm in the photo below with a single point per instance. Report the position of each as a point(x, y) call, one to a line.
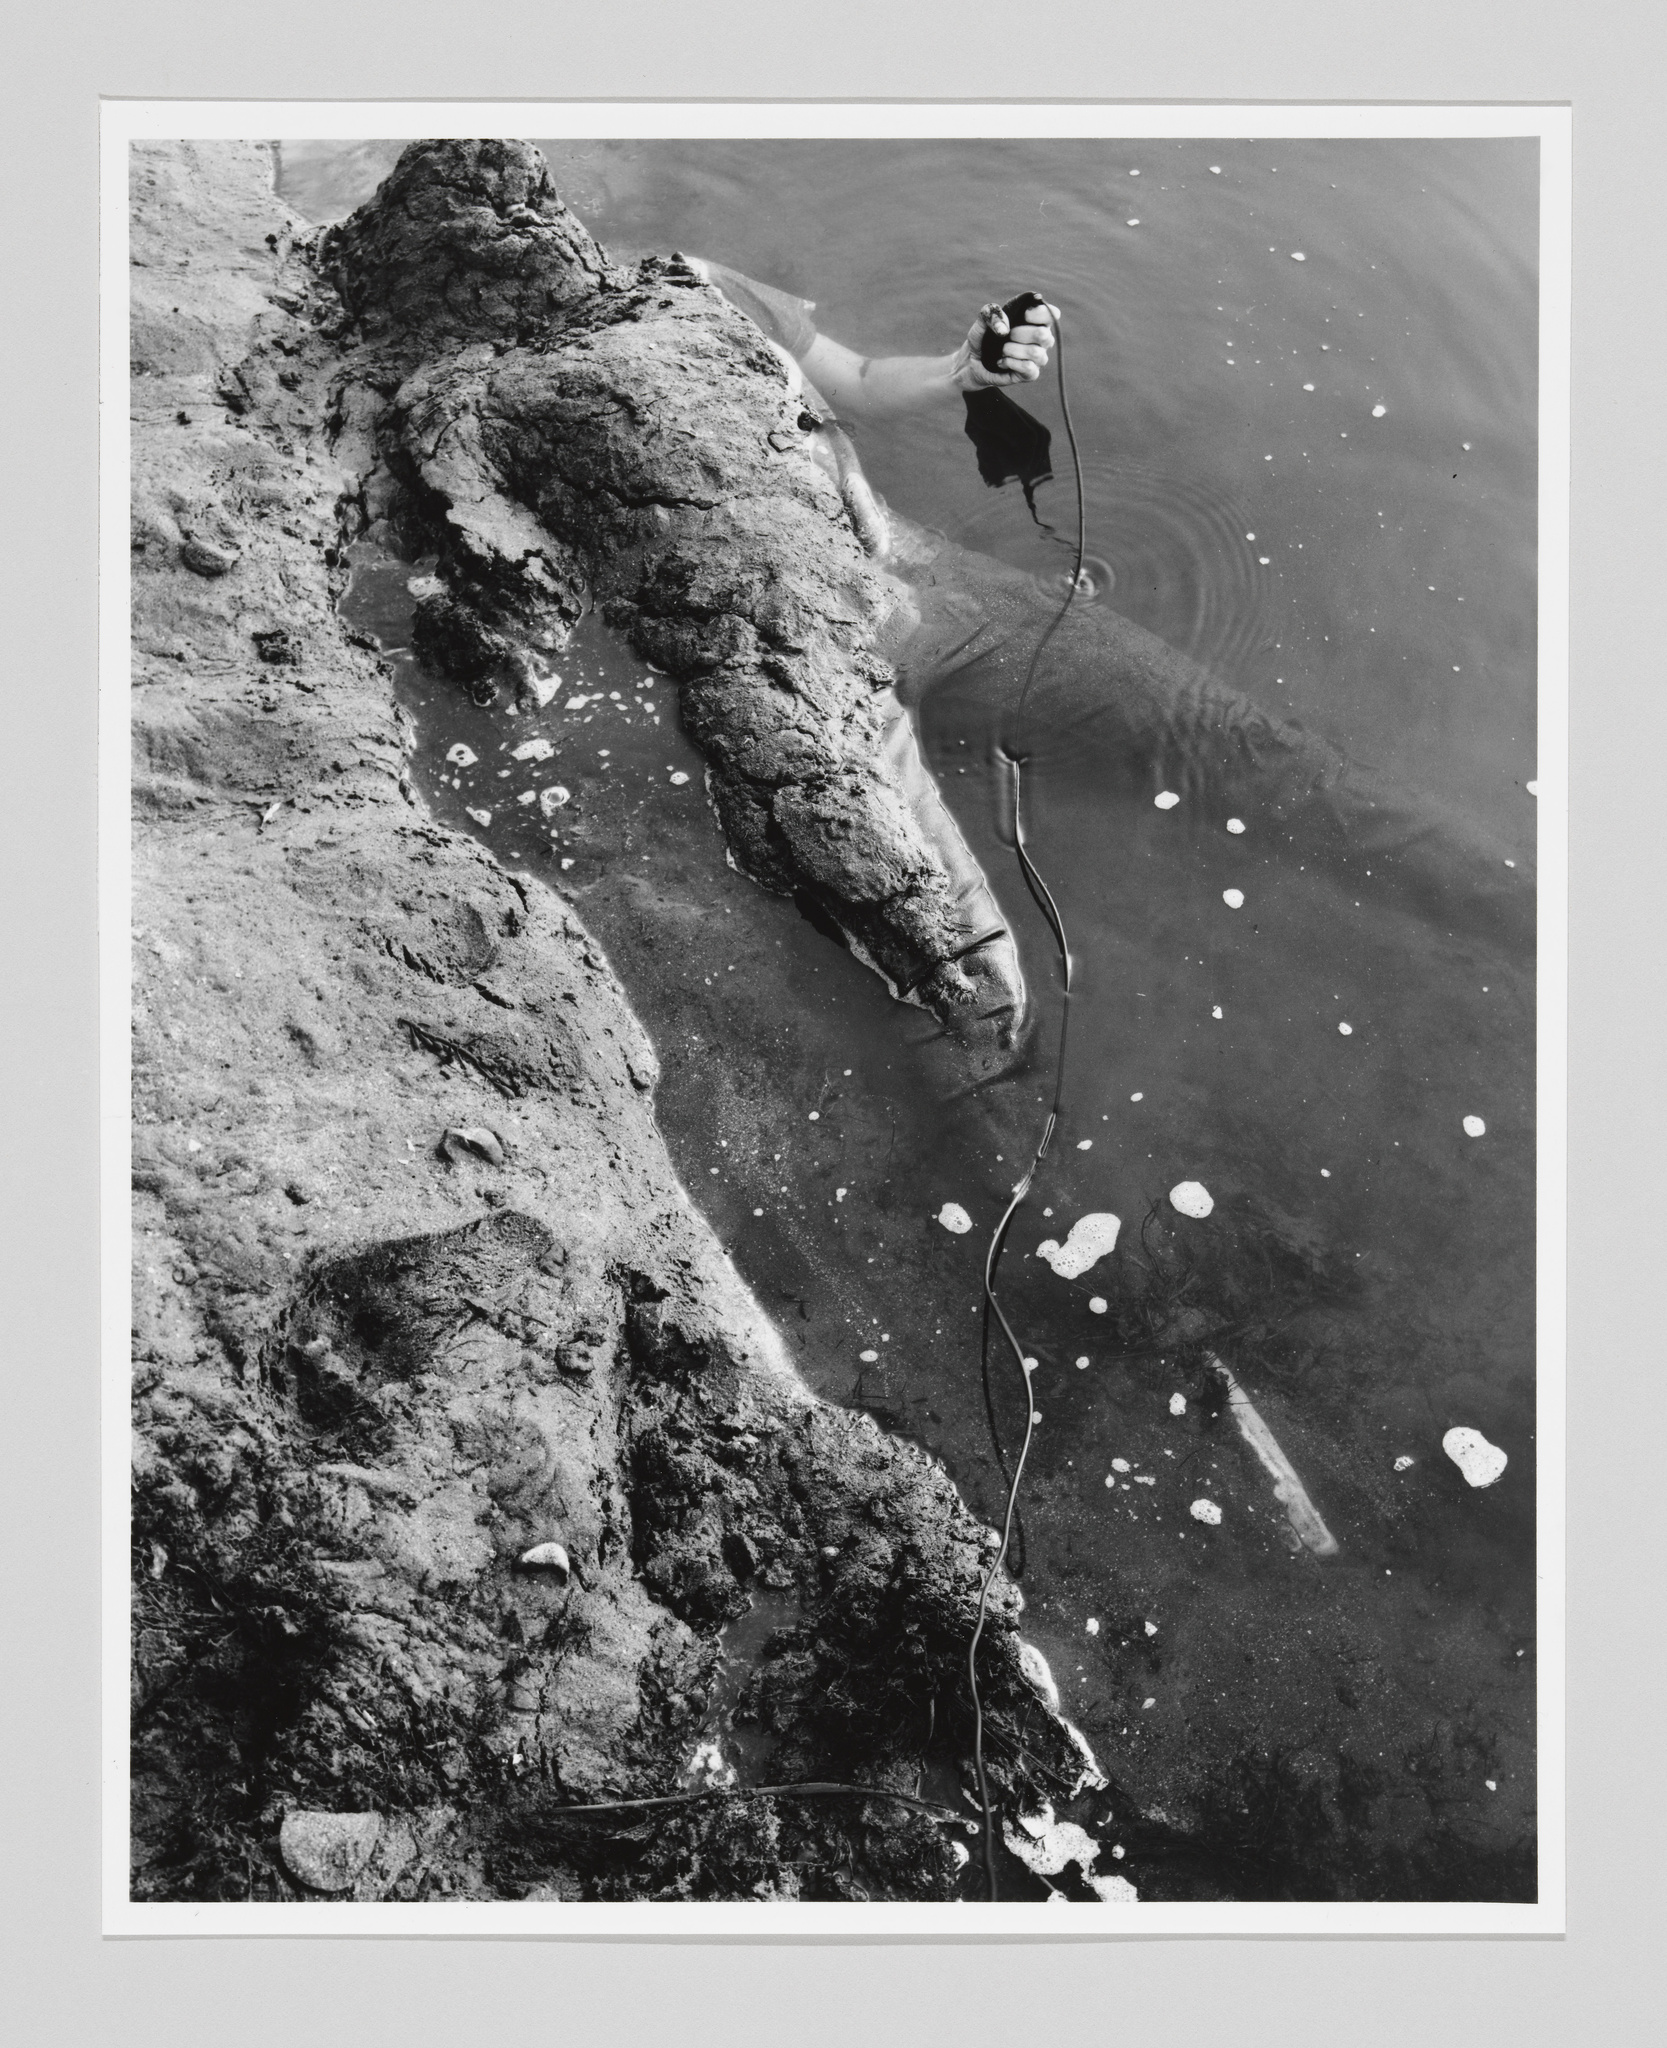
point(877, 387)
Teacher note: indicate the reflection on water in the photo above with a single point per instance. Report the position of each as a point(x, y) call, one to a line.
point(1308, 1053)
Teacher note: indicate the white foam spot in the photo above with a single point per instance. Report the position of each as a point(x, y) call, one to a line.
point(1345, 1031)
point(1191, 1197)
point(1479, 1461)
point(527, 796)
point(953, 1217)
point(1233, 898)
point(1082, 1363)
point(1096, 1304)
point(1474, 1127)
point(1132, 223)
point(1207, 1512)
point(575, 704)
point(1378, 411)
point(1120, 1464)
point(1088, 1241)
point(553, 796)
point(1215, 170)
point(1166, 799)
point(1110, 1481)
point(678, 778)
point(868, 1357)
point(1177, 1404)
point(840, 1194)
point(1092, 1626)
point(1151, 1628)
point(1404, 1464)
point(480, 817)
point(1215, 1012)
point(1235, 824)
point(1085, 1144)
point(461, 756)
point(1533, 788)
point(1138, 1096)
point(1298, 257)
point(532, 750)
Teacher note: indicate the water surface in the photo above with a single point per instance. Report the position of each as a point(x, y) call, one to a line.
point(1358, 554)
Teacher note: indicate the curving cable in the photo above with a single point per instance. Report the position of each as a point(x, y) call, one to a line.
point(1043, 897)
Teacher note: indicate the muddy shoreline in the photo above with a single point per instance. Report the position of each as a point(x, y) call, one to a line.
point(457, 1439)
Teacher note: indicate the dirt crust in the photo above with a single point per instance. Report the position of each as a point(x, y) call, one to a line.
point(457, 1439)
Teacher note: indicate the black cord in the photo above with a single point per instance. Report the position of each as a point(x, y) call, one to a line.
point(1042, 895)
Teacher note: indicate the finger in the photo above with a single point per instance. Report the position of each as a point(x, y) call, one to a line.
point(994, 317)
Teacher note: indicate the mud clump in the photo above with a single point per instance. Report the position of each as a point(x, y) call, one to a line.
point(374, 1370)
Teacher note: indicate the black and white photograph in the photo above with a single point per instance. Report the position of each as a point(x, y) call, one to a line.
point(833, 894)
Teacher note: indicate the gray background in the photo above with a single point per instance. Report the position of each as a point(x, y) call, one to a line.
point(65, 1985)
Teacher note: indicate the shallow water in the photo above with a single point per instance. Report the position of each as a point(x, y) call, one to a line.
point(1367, 1269)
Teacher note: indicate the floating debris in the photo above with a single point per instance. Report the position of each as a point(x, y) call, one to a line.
point(953, 1217)
point(1166, 799)
point(1378, 411)
point(1479, 1461)
point(868, 1357)
point(1297, 256)
point(1085, 1144)
point(546, 1557)
point(1345, 1031)
point(1177, 1404)
point(1404, 1464)
point(1216, 1012)
point(533, 750)
point(1209, 1514)
point(461, 756)
point(1235, 824)
point(678, 778)
point(1090, 1238)
point(480, 817)
point(1191, 1197)
point(1092, 1626)
point(1474, 1127)
point(1288, 1489)
point(1233, 898)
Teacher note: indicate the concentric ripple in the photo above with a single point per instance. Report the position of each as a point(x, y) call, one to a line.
point(1167, 551)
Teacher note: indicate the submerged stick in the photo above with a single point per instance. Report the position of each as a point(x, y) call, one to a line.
point(1288, 1489)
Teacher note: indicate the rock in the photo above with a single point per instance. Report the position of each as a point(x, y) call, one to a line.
point(277, 645)
point(203, 558)
point(739, 1554)
point(328, 1852)
point(546, 1557)
point(463, 1141)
